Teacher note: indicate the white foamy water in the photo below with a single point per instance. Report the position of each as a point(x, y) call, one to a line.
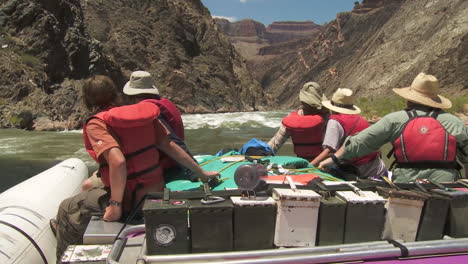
point(26, 153)
point(234, 121)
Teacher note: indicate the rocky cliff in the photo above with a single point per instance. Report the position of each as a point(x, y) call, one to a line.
point(48, 47)
point(280, 32)
point(257, 43)
point(373, 51)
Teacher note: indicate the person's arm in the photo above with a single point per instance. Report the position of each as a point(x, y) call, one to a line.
point(165, 144)
point(118, 179)
point(107, 149)
point(372, 138)
point(334, 134)
point(277, 141)
point(329, 161)
point(178, 154)
point(323, 155)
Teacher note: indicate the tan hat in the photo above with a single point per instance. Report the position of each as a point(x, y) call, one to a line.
point(342, 102)
point(310, 94)
point(424, 90)
point(140, 83)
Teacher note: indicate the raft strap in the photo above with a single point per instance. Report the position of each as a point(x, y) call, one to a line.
point(403, 249)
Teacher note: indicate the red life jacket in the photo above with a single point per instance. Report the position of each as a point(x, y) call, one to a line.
point(171, 116)
point(353, 124)
point(425, 143)
point(306, 133)
point(133, 128)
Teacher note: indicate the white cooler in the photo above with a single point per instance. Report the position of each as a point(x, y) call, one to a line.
point(296, 217)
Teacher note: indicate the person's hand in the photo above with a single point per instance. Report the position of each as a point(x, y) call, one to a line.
point(325, 163)
point(205, 176)
point(113, 213)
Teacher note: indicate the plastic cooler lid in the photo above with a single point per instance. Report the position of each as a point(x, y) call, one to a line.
point(262, 201)
point(367, 197)
point(295, 194)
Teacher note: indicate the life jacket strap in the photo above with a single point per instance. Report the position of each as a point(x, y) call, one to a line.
point(429, 165)
point(137, 174)
point(138, 152)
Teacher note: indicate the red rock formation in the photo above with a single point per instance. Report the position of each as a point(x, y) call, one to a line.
point(243, 28)
point(279, 32)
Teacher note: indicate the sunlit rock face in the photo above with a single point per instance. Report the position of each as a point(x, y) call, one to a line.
point(48, 48)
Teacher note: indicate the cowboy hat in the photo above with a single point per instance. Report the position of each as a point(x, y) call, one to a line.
point(424, 90)
point(310, 94)
point(140, 83)
point(342, 102)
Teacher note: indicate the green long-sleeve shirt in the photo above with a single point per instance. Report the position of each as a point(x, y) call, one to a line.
point(390, 127)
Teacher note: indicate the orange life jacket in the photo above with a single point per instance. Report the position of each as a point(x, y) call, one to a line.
point(306, 133)
point(425, 143)
point(353, 124)
point(133, 127)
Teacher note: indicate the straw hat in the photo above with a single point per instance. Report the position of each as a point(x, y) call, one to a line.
point(311, 94)
point(140, 83)
point(424, 90)
point(342, 102)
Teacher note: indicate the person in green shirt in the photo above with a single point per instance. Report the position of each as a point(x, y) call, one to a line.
point(426, 140)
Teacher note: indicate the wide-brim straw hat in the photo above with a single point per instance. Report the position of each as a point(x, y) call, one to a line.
point(311, 94)
point(424, 90)
point(140, 83)
point(342, 102)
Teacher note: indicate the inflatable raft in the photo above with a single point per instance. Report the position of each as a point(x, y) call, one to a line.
point(25, 211)
point(292, 218)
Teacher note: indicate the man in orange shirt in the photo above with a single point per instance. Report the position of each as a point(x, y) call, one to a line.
point(125, 141)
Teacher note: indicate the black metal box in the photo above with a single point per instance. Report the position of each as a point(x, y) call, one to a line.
point(211, 226)
point(166, 226)
point(365, 216)
point(331, 221)
point(457, 224)
point(254, 223)
point(434, 217)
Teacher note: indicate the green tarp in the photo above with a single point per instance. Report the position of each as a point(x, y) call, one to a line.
point(227, 169)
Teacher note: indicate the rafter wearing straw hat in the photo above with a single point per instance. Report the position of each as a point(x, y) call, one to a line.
point(427, 140)
point(424, 90)
point(344, 122)
point(342, 102)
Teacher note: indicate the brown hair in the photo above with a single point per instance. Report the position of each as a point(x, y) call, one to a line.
point(99, 92)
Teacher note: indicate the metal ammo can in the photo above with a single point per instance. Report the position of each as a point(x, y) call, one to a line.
point(296, 217)
point(365, 216)
point(331, 221)
point(254, 223)
point(434, 215)
point(166, 226)
point(458, 211)
point(404, 209)
point(211, 226)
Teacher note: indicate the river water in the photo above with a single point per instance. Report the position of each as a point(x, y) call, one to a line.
point(26, 153)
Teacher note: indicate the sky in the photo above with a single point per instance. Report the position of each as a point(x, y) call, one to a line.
point(268, 11)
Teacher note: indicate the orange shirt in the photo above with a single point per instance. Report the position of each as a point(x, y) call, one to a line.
point(101, 140)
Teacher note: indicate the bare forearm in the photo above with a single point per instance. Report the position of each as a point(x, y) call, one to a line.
point(323, 155)
point(117, 173)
